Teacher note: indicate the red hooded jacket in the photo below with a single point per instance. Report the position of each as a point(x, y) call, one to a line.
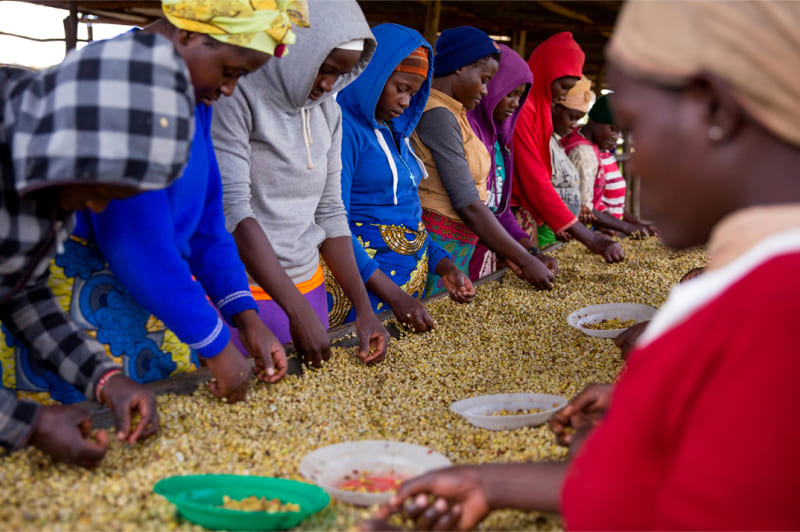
point(556, 57)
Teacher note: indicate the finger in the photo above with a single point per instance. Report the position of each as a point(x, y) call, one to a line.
point(84, 424)
point(101, 438)
point(413, 487)
point(240, 393)
point(148, 424)
point(316, 359)
point(91, 453)
point(281, 366)
point(326, 352)
point(266, 363)
point(377, 346)
point(449, 520)
point(426, 317)
point(391, 507)
point(469, 288)
point(432, 514)
point(213, 387)
point(416, 507)
point(122, 418)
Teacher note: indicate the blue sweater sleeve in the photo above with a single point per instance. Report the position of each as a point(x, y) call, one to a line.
point(137, 239)
point(350, 150)
point(213, 257)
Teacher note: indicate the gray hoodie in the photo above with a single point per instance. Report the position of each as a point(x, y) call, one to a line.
point(279, 152)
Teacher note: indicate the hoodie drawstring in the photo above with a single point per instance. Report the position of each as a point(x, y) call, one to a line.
point(419, 161)
point(305, 115)
point(390, 159)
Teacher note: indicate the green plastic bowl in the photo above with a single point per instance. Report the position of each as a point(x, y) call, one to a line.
point(198, 499)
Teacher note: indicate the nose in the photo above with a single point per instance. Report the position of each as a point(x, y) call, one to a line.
point(484, 89)
point(514, 103)
point(326, 83)
point(405, 101)
point(228, 87)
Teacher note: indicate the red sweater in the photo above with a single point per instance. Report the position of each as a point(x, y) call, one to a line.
point(702, 433)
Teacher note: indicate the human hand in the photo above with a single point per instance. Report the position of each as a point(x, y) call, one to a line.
point(309, 336)
point(373, 337)
point(639, 231)
point(602, 245)
point(64, 433)
point(232, 374)
point(563, 236)
point(458, 285)
point(412, 313)
point(460, 500)
point(263, 346)
point(550, 263)
point(125, 396)
point(585, 409)
point(586, 216)
point(537, 274)
point(627, 338)
point(691, 274)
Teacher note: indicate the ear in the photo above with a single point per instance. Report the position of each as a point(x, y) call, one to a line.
point(187, 38)
point(723, 116)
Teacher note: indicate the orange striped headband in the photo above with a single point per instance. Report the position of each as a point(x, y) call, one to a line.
point(415, 63)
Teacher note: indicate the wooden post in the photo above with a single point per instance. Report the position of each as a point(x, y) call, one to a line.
point(600, 80)
point(432, 20)
point(518, 41)
point(71, 26)
point(634, 185)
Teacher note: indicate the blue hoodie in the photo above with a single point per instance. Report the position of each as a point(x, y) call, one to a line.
point(379, 182)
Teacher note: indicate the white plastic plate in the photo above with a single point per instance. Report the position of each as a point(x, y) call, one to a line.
point(479, 410)
point(623, 311)
point(330, 466)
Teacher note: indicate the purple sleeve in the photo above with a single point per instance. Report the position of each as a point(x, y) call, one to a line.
point(509, 223)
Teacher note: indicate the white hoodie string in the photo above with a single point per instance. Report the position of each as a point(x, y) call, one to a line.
point(419, 161)
point(305, 115)
point(390, 159)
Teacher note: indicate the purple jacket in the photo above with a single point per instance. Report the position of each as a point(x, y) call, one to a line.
point(512, 72)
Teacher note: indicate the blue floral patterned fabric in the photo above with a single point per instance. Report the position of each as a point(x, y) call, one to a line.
point(96, 300)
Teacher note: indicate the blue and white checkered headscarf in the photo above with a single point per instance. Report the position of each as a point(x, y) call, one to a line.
point(116, 112)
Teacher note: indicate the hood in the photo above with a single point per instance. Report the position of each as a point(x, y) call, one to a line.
point(556, 57)
point(87, 121)
point(333, 22)
point(395, 43)
point(511, 72)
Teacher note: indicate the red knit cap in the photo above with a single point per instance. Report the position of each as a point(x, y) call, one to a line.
point(415, 63)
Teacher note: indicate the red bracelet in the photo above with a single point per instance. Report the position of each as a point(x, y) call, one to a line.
point(102, 382)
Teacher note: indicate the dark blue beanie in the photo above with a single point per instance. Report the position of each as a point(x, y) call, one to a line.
point(458, 47)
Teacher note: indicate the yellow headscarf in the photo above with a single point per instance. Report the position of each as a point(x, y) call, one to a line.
point(580, 97)
point(263, 25)
point(753, 45)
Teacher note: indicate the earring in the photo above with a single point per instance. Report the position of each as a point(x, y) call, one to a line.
point(715, 133)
